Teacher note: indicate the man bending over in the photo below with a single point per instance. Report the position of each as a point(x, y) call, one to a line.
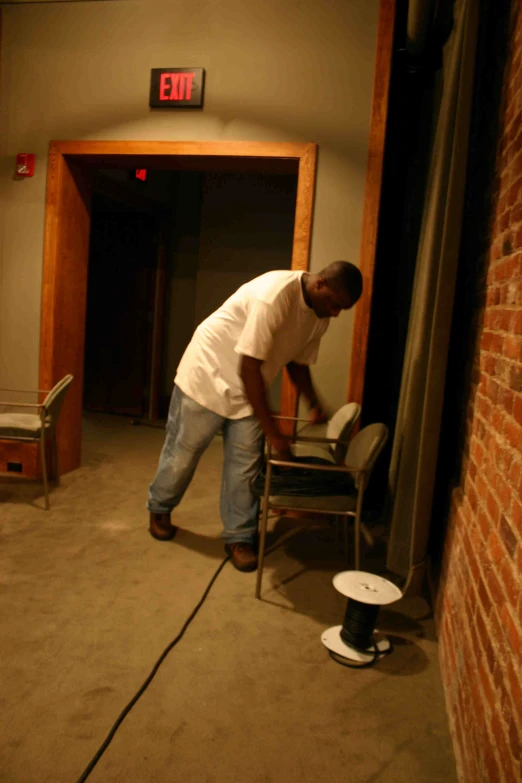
point(275, 320)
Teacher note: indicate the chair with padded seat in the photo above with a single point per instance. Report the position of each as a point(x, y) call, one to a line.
point(36, 426)
point(327, 487)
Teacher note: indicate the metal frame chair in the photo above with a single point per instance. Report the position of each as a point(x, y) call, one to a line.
point(362, 452)
point(36, 427)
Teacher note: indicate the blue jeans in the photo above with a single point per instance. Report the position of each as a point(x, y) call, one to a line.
point(190, 429)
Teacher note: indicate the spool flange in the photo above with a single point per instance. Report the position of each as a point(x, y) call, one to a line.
point(366, 588)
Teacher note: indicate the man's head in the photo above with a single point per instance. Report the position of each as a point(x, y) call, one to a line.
point(337, 287)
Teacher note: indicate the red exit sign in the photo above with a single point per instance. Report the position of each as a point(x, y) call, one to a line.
point(175, 88)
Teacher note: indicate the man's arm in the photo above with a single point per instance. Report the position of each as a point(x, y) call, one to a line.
point(253, 381)
point(302, 380)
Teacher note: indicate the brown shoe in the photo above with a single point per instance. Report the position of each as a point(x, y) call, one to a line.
point(242, 556)
point(161, 528)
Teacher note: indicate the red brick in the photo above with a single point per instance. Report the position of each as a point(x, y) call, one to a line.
point(473, 565)
point(495, 549)
point(514, 474)
point(501, 320)
point(493, 508)
point(495, 588)
point(503, 491)
point(513, 194)
point(484, 523)
point(502, 371)
point(499, 641)
point(514, 685)
point(516, 323)
point(517, 166)
point(512, 348)
point(500, 736)
point(495, 343)
point(490, 651)
point(517, 409)
point(513, 434)
point(491, 764)
point(472, 497)
point(506, 399)
point(486, 685)
point(515, 740)
point(497, 416)
point(515, 379)
point(480, 486)
point(515, 216)
point(477, 451)
point(484, 596)
point(508, 536)
point(493, 389)
point(488, 363)
point(510, 582)
point(511, 632)
point(516, 517)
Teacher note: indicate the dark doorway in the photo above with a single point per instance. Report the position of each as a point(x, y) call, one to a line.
point(120, 307)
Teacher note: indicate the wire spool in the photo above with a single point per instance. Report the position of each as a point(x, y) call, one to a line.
point(356, 642)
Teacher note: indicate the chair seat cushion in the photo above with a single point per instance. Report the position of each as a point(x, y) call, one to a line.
point(19, 425)
point(319, 450)
point(304, 482)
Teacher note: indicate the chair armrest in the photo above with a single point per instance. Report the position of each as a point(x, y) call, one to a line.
point(308, 439)
point(314, 466)
point(27, 391)
point(22, 404)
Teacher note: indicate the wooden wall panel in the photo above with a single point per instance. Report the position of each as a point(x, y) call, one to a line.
point(64, 295)
point(372, 197)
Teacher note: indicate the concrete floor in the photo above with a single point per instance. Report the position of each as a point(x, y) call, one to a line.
point(90, 600)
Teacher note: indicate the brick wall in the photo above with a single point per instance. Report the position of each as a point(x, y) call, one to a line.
point(479, 604)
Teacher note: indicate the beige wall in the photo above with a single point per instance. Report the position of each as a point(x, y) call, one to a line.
point(293, 71)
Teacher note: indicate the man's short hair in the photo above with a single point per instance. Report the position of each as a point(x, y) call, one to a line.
point(345, 276)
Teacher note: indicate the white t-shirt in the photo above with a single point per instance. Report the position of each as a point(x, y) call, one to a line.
point(268, 319)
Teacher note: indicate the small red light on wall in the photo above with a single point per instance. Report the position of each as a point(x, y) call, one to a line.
point(25, 164)
point(141, 174)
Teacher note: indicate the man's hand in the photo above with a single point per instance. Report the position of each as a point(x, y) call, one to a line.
point(250, 372)
point(281, 444)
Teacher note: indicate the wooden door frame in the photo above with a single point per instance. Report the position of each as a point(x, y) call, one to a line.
point(372, 196)
point(71, 167)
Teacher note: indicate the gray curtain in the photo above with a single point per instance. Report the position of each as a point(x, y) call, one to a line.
point(415, 446)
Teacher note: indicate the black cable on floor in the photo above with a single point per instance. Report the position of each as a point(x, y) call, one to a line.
point(148, 681)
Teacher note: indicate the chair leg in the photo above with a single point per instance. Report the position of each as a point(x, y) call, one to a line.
point(357, 528)
point(367, 535)
point(54, 452)
point(345, 535)
point(44, 468)
point(262, 532)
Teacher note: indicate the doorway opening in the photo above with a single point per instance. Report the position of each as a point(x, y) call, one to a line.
point(166, 249)
point(73, 178)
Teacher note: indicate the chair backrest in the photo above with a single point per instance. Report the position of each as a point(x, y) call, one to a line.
point(340, 427)
point(365, 448)
point(54, 400)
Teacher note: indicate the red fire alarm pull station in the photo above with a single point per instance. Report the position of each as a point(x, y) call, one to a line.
point(25, 164)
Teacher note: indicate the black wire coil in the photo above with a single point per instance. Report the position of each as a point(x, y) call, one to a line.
point(359, 625)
